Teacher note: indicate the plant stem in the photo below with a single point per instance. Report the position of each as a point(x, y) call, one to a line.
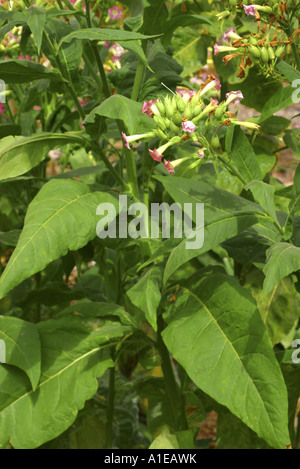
point(232, 169)
point(174, 395)
point(110, 167)
point(110, 409)
point(137, 81)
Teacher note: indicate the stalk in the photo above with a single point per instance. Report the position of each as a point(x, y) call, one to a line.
point(175, 397)
point(110, 409)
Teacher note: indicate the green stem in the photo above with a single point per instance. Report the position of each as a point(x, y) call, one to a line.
point(137, 81)
point(294, 49)
point(110, 409)
point(174, 395)
point(110, 167)
point(232, 169)
point(92, 71)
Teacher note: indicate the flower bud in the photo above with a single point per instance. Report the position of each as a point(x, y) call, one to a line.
point(215, 142)
point(197, 109)
point(254, 51)
point(188, 111)
point(271, 53)
point(174, 128)
point(279, 51)
point(180, 103)
point(219, 113)
point(177, 119)
point(169, 107)
point(160, 122)
point(264, 55)
point(161, 134)
point(161, 108)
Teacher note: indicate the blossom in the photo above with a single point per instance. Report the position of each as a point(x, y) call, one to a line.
point(133, 138)
point(250, 9)
point(214, 102)
point(234, 97)
point(147, 107)
point(201, 152)
point(218, 49)
point(115, 13)
point(185, 94)
point(2, 108)
point(25, 58)
point(249, 125)
point(188, 126)
point(155, 155)
point(230, 34)
point(169, 167)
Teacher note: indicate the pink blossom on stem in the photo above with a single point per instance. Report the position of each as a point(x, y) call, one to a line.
point(2, 108)
point(115, 13)
point(250, 9)
point(188, 126)
point(185, 94)
point(147, 107)
point(169, 167)
point(201, 152)
point(125, 140)
point(234, 97)
point(155, 155)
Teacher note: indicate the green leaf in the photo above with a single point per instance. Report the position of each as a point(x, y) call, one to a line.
point(243, 156)
point(146, 295)
point(181, 21)
point(225, 215)
point(10, 238)
point(94, 34)
point(288, 71)
point(20, 154)
point(136, 48)
point(61, 217)
point(282, 260)
point(119, 107)
point(36, 22)
point(292, 140)
point(24, 71)
point(169, 440)
point(281, 99)
point(264, 194)
point(72, 359)
point(216, 333)
point(23, 348)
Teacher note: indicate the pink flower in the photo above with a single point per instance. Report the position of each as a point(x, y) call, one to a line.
point(234, 97)
point(185, 94)
point(147, 107)
point(155, 155)
point(169, 167)
point(214, 102)
point(188, 126)
point(201, 153)
point(125, 140)
point(227, 36)
point(216, 49)
point(25, 58)
point(37, 108)
point(115, 13)
point(250, 10)
point(217, 84)
point(107, 44)
point(72, 1)
point(2, 108)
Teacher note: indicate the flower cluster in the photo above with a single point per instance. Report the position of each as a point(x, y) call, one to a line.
point(188, 115)
point(259, 49)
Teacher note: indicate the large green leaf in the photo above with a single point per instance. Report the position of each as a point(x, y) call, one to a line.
point(225, 215)
point(23, 348)
point(264, 194)
point(20, 154)
point(36, 22)
point(216, 333)
point(94, 34)
point(281, 99)
point(120, 107)
point(282, 260)
point(72, 359)
point(61, 217)
point(24, 71)
point(146, 295)
point(243, 156)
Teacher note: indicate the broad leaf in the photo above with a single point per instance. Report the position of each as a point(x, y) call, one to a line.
point(283, 259)
point(146, 295)
point(216, 333)
point(281, 99)
point(20, 154)
point(264, 194)
point(23, 348)
point(243, 156)
point(94, 34)
point(36, 22)
point(72, 359)
point(24, 71)
point(61, 217)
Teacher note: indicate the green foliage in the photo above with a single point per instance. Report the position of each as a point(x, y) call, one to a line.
point(112, 336)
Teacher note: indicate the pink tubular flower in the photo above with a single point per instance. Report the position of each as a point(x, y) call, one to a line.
point(250, 10)
point(185, 94)
point(147, 107)
point(155, 155)
point(125, 140)
point(234, 97)
point(2, 108)
point(115, 13)
point(169, 167)
point(25, 58)
point(188, 126)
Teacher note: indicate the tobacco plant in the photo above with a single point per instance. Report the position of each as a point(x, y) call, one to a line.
point(111, 337)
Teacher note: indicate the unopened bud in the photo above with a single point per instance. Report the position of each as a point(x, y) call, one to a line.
point(169, 107)
point(161, 108)
point(264, 55)
point(160, 122)
point(177, 119)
